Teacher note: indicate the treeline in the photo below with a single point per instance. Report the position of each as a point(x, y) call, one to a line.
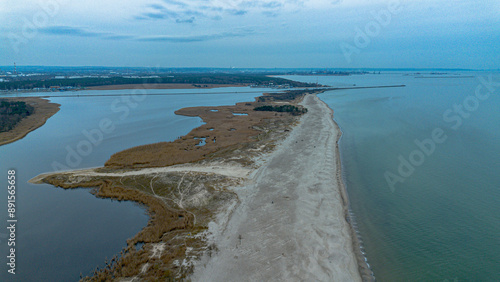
point(288, 95)
point(294, 110)
point(174, 78)
point(13, 112)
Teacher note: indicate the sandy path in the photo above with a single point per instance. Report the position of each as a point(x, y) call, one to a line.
point(290, 224)
point(226, 170)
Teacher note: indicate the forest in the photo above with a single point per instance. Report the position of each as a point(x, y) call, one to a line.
point(255, 79)
point(12, 113)
point(294, 110)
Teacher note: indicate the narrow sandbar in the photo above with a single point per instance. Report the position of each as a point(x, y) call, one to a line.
point(291, 223)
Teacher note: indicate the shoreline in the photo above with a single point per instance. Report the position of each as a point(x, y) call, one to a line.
point(364, 269)
point(163, 86)
point(44, 109)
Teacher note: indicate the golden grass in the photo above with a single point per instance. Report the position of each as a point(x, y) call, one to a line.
point(164, 220)
point(221, 125)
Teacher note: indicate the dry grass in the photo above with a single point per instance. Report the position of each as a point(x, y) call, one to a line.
point(43, 111)
point(180, 206)
point(221, 125)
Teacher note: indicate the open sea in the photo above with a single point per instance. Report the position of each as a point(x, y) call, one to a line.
point(422, 168)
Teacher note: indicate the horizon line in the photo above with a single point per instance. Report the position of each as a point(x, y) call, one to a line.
point(257, 68)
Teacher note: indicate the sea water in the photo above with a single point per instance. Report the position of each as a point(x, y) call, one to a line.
point(438, 218)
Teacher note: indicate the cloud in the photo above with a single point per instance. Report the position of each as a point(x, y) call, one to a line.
point(72, 31)
point(119, 37)
point(175, 3)
point(236, 12)
point(157, 7)
point(177, 12)
point(196, 38)
point(155, 16)
point(271, 5)
point(190, 20)
point(211, 9)
point(76, 31)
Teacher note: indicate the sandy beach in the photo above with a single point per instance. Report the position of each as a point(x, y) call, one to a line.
point(290, 224)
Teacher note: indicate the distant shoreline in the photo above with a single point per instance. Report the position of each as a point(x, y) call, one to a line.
point(44, 109)
point(163, 86)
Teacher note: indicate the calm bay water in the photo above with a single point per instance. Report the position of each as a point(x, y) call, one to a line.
point(443, 222)
point(62, 233)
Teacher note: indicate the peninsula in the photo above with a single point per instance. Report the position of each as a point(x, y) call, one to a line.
point(42, 110)
point(255, 192)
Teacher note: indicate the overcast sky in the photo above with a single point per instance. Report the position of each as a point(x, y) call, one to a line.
point(243, 33)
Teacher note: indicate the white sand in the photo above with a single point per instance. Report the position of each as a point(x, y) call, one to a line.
point(234, 170)
point(290, 224)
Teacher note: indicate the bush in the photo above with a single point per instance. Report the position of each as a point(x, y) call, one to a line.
point(294, 110)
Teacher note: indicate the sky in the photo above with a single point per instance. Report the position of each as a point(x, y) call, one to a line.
point(252, 34)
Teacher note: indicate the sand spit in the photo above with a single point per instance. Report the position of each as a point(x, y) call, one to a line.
point(250, 210)
point(291, 223)
point(44, 109)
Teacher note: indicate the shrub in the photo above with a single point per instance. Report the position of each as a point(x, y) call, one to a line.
point(294, 110)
